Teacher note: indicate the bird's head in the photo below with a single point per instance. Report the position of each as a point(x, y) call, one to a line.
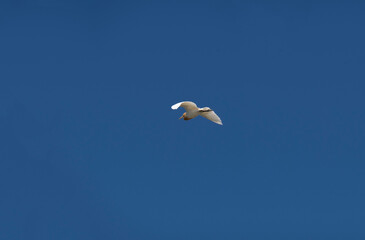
point(183, 116)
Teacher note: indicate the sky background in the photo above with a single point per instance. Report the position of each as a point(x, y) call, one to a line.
point(90, 148)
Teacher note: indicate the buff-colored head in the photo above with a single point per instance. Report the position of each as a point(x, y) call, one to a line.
point(183, 116)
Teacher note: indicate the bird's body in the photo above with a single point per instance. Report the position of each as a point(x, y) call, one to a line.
point(192, 111)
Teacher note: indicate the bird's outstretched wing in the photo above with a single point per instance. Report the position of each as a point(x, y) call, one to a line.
point(189, 106)
point(212, 116)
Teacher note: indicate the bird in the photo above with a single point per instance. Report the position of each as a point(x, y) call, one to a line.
point(192, 111)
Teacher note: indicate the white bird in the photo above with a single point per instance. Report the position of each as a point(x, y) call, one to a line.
point(193, 111)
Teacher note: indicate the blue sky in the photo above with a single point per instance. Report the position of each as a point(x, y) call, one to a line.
point(90, 149)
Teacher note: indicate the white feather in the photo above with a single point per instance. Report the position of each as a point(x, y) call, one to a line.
point(189, 106)
point(212, 116)
point(176, 106)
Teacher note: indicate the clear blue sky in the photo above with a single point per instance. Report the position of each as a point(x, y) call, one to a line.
point(90, 149)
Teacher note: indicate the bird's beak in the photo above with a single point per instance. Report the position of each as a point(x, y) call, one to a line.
point(181, 117)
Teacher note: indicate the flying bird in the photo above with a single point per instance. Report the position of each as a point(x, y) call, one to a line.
point(193, 111)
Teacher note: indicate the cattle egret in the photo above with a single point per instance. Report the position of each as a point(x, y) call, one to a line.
point(193, 111)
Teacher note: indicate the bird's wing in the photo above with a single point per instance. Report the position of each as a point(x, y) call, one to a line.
point(212, 116)
point(189, 106)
